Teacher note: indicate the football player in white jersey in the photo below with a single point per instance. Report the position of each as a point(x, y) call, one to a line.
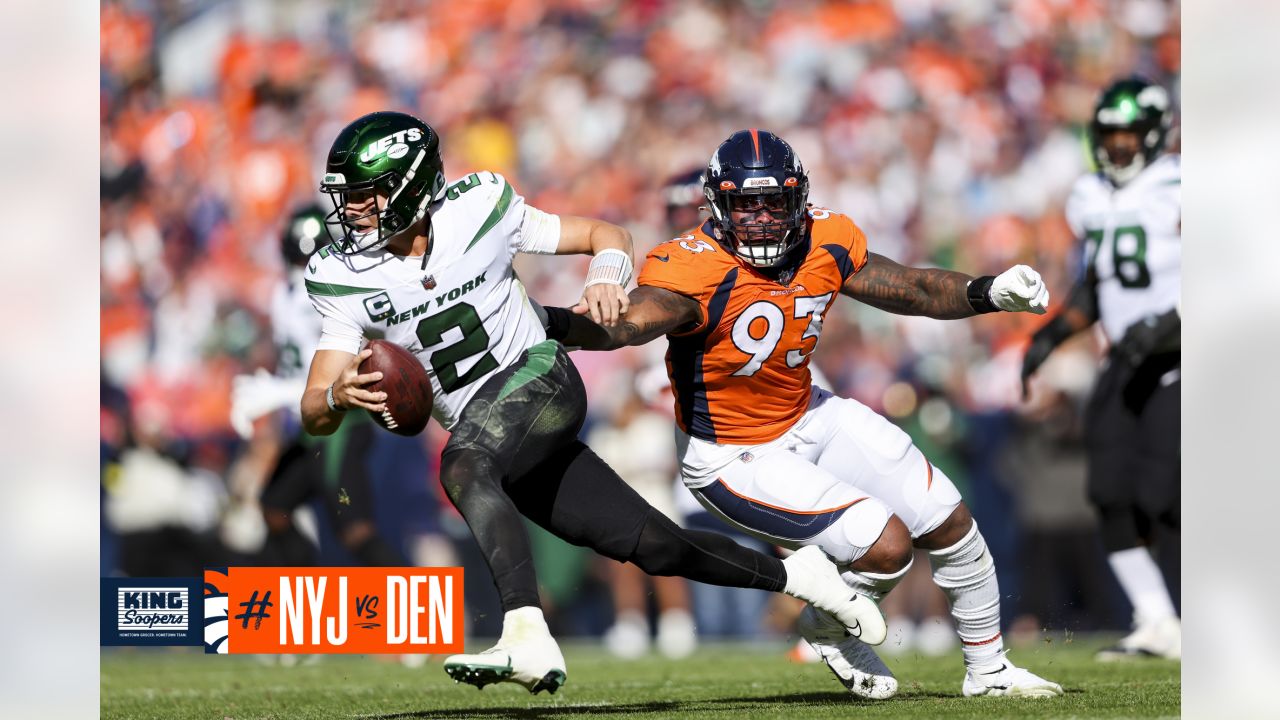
point(1129, 215)
point(427, 264)
point(305, 466)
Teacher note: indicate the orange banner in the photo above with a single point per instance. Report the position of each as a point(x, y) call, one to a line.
point(333, 610)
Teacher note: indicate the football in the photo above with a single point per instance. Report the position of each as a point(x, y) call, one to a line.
point(408, 388)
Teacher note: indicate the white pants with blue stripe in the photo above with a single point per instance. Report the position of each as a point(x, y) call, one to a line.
point(831, 480)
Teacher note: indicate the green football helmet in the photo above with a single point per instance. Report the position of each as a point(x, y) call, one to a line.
point(390, 154)
point(1135, 104)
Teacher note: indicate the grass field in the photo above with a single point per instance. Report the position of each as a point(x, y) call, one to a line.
point(730, 682)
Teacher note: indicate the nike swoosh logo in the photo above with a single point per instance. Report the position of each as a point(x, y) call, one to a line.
point(994, 672)
point(856, 630)
point(663, 258)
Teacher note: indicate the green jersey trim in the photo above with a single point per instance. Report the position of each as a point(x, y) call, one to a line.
point(504, 202)
point(336, 290)
point(541, 358)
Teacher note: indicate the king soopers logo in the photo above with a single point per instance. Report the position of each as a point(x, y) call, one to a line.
point(160, 610)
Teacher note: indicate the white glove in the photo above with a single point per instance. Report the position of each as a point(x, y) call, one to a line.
point(1020, 289)
point(253, 396)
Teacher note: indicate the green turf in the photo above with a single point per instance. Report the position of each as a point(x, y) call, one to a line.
point(730, 682)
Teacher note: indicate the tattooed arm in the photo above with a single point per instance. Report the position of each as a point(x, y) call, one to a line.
point(654, 312)
point(885, 284)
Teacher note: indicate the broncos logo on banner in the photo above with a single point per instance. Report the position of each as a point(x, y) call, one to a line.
point(216, 613)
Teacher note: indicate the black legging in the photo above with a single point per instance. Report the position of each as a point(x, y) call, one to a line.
point(515, 452)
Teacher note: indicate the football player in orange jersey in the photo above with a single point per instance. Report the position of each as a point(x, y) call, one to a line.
point(741, 300)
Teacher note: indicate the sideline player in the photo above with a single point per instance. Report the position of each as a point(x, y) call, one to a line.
point(741, 300)
point(428, 265)
point(1129, 216)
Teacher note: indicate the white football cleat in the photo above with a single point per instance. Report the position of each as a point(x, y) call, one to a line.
point(853, 662)
point(526, 655)
point(1160, 639)
point(813, 578)
point(1002, 677)
point(536, 666)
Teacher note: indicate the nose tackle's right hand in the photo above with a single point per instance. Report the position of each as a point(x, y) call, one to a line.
point(349, 389)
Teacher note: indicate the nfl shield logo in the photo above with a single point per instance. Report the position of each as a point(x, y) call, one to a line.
point(429, 282)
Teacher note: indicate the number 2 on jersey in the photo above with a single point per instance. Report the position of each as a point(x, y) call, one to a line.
point(463, 317)
point(762, 347)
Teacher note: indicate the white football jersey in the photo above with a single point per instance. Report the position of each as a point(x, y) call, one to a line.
point(1133, 239)
point(465, 314)
point(295, 326)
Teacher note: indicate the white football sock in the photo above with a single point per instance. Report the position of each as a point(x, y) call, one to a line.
point(875, 585)
point(1143, 585)
point(967, 574)
point(523, 624)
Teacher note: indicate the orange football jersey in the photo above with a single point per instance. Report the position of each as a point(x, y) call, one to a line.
point(742, 376)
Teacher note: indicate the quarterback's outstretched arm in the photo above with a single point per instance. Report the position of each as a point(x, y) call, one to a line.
point(945, 294)
point(604, 296)
point(654, 312)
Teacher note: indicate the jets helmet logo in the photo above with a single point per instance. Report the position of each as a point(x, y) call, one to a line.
point(392, 145)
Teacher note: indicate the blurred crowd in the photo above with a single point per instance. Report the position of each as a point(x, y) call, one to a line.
point(950, 131)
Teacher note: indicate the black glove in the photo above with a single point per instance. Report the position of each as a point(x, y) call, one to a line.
point(1151, 333)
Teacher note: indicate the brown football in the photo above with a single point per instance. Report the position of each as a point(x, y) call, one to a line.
point(408, 388)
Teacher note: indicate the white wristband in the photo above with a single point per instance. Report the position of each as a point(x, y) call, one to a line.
point(328, 400)
point(609, 266)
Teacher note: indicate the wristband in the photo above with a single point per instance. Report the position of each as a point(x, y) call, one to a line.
point(328, 399)
point(609, 266)
point(979, 294)
point(558, 322)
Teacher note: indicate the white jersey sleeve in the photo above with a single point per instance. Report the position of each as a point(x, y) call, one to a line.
point(338, 330)
point(539, 232)
point(528, 229)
